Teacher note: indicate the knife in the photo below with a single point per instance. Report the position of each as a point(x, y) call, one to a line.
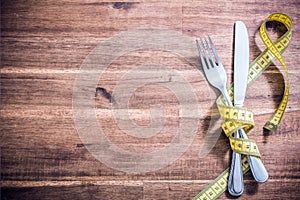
point(241, 60)
point(241, 66)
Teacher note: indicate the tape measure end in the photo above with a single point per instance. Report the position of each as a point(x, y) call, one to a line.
point(270, 126)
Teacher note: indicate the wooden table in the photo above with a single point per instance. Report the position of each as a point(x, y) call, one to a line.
point(43, 46)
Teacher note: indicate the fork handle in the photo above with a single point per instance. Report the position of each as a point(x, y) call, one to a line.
point(227, 97)
point(235, 180)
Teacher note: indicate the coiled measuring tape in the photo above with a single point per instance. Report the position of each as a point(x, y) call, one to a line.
point(236, 118)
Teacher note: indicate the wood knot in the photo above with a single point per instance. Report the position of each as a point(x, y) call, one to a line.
point(103, 92)
point(122, 5)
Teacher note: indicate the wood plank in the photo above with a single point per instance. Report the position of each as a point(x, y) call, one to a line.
point(86, 191)
point(147, 190)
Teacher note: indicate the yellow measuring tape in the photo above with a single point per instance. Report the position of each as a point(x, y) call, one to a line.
point(236, 118)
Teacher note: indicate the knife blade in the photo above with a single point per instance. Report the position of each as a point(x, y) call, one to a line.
point(241, 66)
point(241, 63)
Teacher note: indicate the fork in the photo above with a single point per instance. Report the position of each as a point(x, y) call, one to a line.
point(216, 76)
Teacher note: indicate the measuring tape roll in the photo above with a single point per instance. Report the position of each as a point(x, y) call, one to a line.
point(274, 51)
point(236, 118)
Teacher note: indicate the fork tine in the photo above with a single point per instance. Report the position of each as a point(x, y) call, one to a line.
point(205, 53)
point(201, 51)
point(211, 60)
point(214, 51)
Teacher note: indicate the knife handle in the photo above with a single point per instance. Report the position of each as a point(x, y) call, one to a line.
point(235, 180)
point(258, 169)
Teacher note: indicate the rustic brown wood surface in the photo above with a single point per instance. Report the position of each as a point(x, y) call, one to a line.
point(43, 44)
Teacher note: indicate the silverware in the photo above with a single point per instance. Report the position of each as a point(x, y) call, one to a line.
point(216, 76)
point(241, 66)
point(213, 68)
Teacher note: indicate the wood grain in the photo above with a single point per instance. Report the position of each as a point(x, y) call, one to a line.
point(43, 44)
